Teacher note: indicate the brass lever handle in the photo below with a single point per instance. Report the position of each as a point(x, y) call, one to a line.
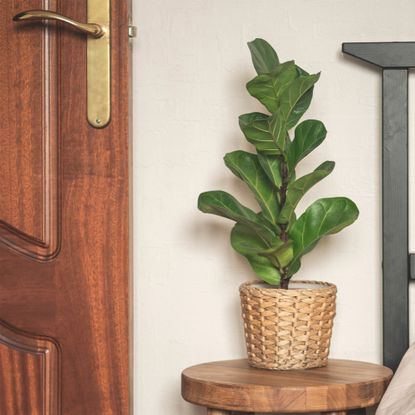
point(98, 56)
point(91, 29)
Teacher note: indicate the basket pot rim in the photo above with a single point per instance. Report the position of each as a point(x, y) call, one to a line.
point(261, 286)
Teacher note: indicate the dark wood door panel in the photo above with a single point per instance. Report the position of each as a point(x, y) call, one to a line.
point(28, 374)
point(28, 134)
point(64, 223)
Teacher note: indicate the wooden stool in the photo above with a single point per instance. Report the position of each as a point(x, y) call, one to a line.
point(342, 387)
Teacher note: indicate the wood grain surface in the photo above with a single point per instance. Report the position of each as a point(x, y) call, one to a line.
point(28, 371)
point(235, 386)
point(64, 220)
point(28, 135)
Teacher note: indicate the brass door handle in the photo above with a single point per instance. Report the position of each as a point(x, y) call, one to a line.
point(91, 29)
point(98, 54)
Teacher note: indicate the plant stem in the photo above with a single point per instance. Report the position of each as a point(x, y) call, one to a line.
point(283, 195)
point(284, 283)
point(283, 198)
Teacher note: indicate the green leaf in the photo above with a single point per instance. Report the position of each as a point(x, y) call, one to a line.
point(300, 108)
point(293, 268)
point(246, 242)
point(267, 133)
point(246, 166)
point(264, 57)
point(272, 168)
point(223, 204)
point(284, 254)
point(265, 269)
point(246, 120)
point(308, 135)
point(287, 102)
point(297, 189)
point(323, 217)
point(268, 88)
point(294, 100)
point(275, 227)
point(255, 127)
point(279, 133)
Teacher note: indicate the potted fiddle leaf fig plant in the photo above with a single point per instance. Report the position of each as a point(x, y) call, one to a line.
point(287, 324)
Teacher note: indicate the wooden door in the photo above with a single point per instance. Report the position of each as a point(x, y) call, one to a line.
point(64, 220)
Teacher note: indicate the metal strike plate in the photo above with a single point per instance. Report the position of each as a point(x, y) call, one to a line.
point(99, 66)
point(132, 31)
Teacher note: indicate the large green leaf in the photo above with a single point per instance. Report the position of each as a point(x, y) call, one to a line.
point(265, 269)
point(246, 166)
point(256, 129)
point(275, 227)
point(323, 217)
point(272, 168)
point(297, 189)
point(294, 100)
point(286, 99)
point(268, 87)
point(264, 57)
point(245, 241)
point(245, 120)
point(223, 204)
point(308, 135)
point(267, 133)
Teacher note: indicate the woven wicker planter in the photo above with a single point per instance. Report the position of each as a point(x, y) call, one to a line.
point(288, 329)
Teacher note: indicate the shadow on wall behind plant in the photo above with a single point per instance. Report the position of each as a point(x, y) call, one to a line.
point(210, 238)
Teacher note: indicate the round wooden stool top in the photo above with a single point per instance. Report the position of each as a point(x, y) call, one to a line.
point(235, 386)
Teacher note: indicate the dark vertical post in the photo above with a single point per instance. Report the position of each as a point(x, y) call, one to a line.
point(395, 58)
point(395, 215)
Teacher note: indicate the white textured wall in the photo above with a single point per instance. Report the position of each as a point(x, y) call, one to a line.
point(190, 66)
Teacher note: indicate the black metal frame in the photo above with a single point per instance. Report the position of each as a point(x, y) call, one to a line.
point(395, 59)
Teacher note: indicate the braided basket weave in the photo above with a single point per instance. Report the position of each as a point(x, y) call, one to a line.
point(288, 329)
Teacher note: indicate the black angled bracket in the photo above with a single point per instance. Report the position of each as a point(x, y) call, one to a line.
point(395, 59)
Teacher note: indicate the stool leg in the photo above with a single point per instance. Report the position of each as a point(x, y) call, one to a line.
point(361, 411)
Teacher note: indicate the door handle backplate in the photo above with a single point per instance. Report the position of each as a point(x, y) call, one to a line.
point(98, 55)
point(99, 65)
